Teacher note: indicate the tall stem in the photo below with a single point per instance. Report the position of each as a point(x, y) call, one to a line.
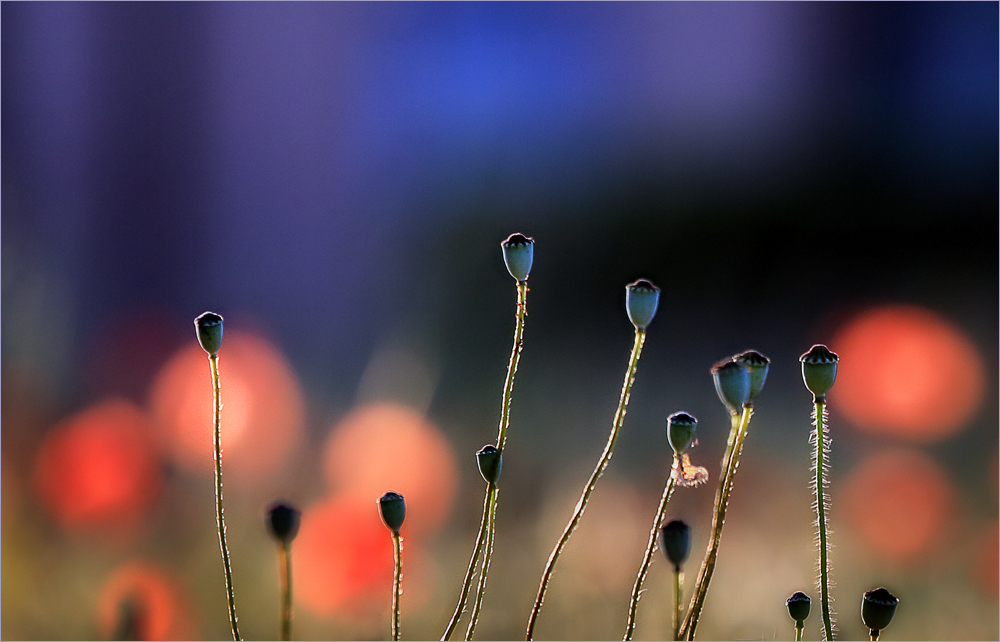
point(481, 589)
point(729, 466)
point(220, 518)
point(486, 527)
point(640, 338)
point(822, 446)
point(678, 586)
point(647, 557)
point(397, 580)
point(285, 555)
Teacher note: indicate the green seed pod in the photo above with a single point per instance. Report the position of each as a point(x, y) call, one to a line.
point(757, 364)
point(641, 299)
point(798, 607)
point(283, 521)
point(490, 461)
point(819, 370)
point(680, 431)
point(393, 511)
point(208, 325)
point(518, 253)
point(675, 541)
point(877, 608)
point(732, 383)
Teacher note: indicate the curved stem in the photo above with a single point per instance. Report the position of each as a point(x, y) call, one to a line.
point(647, 557)
point(397, 581)
point(486, 528)
point(285, 555)
point(640, 338)
point(729, 466)
point(822, 446)
point(220, 517)
point(481, 589)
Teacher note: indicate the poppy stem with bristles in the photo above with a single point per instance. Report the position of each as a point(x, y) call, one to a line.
point(821, 450)
point(220, 517)
point(647, 557)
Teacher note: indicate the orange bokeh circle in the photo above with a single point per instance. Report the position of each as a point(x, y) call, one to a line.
point(908, 372)
point(387, 446)
point(262, 408)
point(99, 467)
point(141, 602)
point(900, 503)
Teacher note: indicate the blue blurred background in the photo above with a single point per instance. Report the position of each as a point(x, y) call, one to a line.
point(335, 179)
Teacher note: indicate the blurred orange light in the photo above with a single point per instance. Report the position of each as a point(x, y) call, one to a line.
point(900, 502)
point(262, 408)
point(387, 446)
point(141, 600)
point(98, 468)
point(906, 371)
point(342, 558)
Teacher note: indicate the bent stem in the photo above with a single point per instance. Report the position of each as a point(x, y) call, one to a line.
point(821, 441)
point(220, 517)
point(730, 463)
point(397, 580)
point(285, 556)
point(481, 589)
point(486, 528)
point(640, 338)
point(647, 557)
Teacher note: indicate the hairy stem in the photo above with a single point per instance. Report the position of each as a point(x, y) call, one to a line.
point(397, 580)
point(481, 588)
point(220, 517)
point(285, 555)
point(467, 582)
point(647, 557)
point(640, 338)
point(822, 446)
point(740, 425)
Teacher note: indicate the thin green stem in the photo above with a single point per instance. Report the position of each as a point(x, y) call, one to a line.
point(873, 635)
point(730, 464)
point(486, 527)
point(640, 338)
point(285, 556)
point(647, 557)
point(798, 632)
point(822, 446)
point(678, 586)
point(397, 581)
point(220, 517)
point(481, 589)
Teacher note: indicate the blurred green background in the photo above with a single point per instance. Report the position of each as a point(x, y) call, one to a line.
point(335, 179)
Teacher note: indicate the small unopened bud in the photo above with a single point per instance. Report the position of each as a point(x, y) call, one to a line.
point(819, 370)
point(757, 364)
point(877, 608)
point(518, 253)
point(732, 383)
point(641, 299)
point(798, 607)
point(675, 540)
point(393, 510)
point(680, 431)
point(490, 461)
point(208, 325)
point(283, 522)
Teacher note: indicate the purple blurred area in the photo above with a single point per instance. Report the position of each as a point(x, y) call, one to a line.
point(337, 177)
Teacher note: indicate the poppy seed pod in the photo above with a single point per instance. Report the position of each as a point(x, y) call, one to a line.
point(208, 325)
point(732, 383)
point(641, 299)
point(798, 607)
point(680, 431)
point(675, 540)
point(819, 370)
point(393, 510)
point(877, 608)
point(490, 461)
point(283, 521)
point(757, 364)
point(518, 253)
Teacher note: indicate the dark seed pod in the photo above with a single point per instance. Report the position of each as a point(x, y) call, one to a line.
point(283, 521)
point(757, 364)
point(732, 383)
point(393, 511)
point(681, 428)
point(819, 370)
point(675, 540)
point(490, 461)
point(798, 607)
point(641, 299)
point(208, 325)
point(877, 608)
point(518, 254)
